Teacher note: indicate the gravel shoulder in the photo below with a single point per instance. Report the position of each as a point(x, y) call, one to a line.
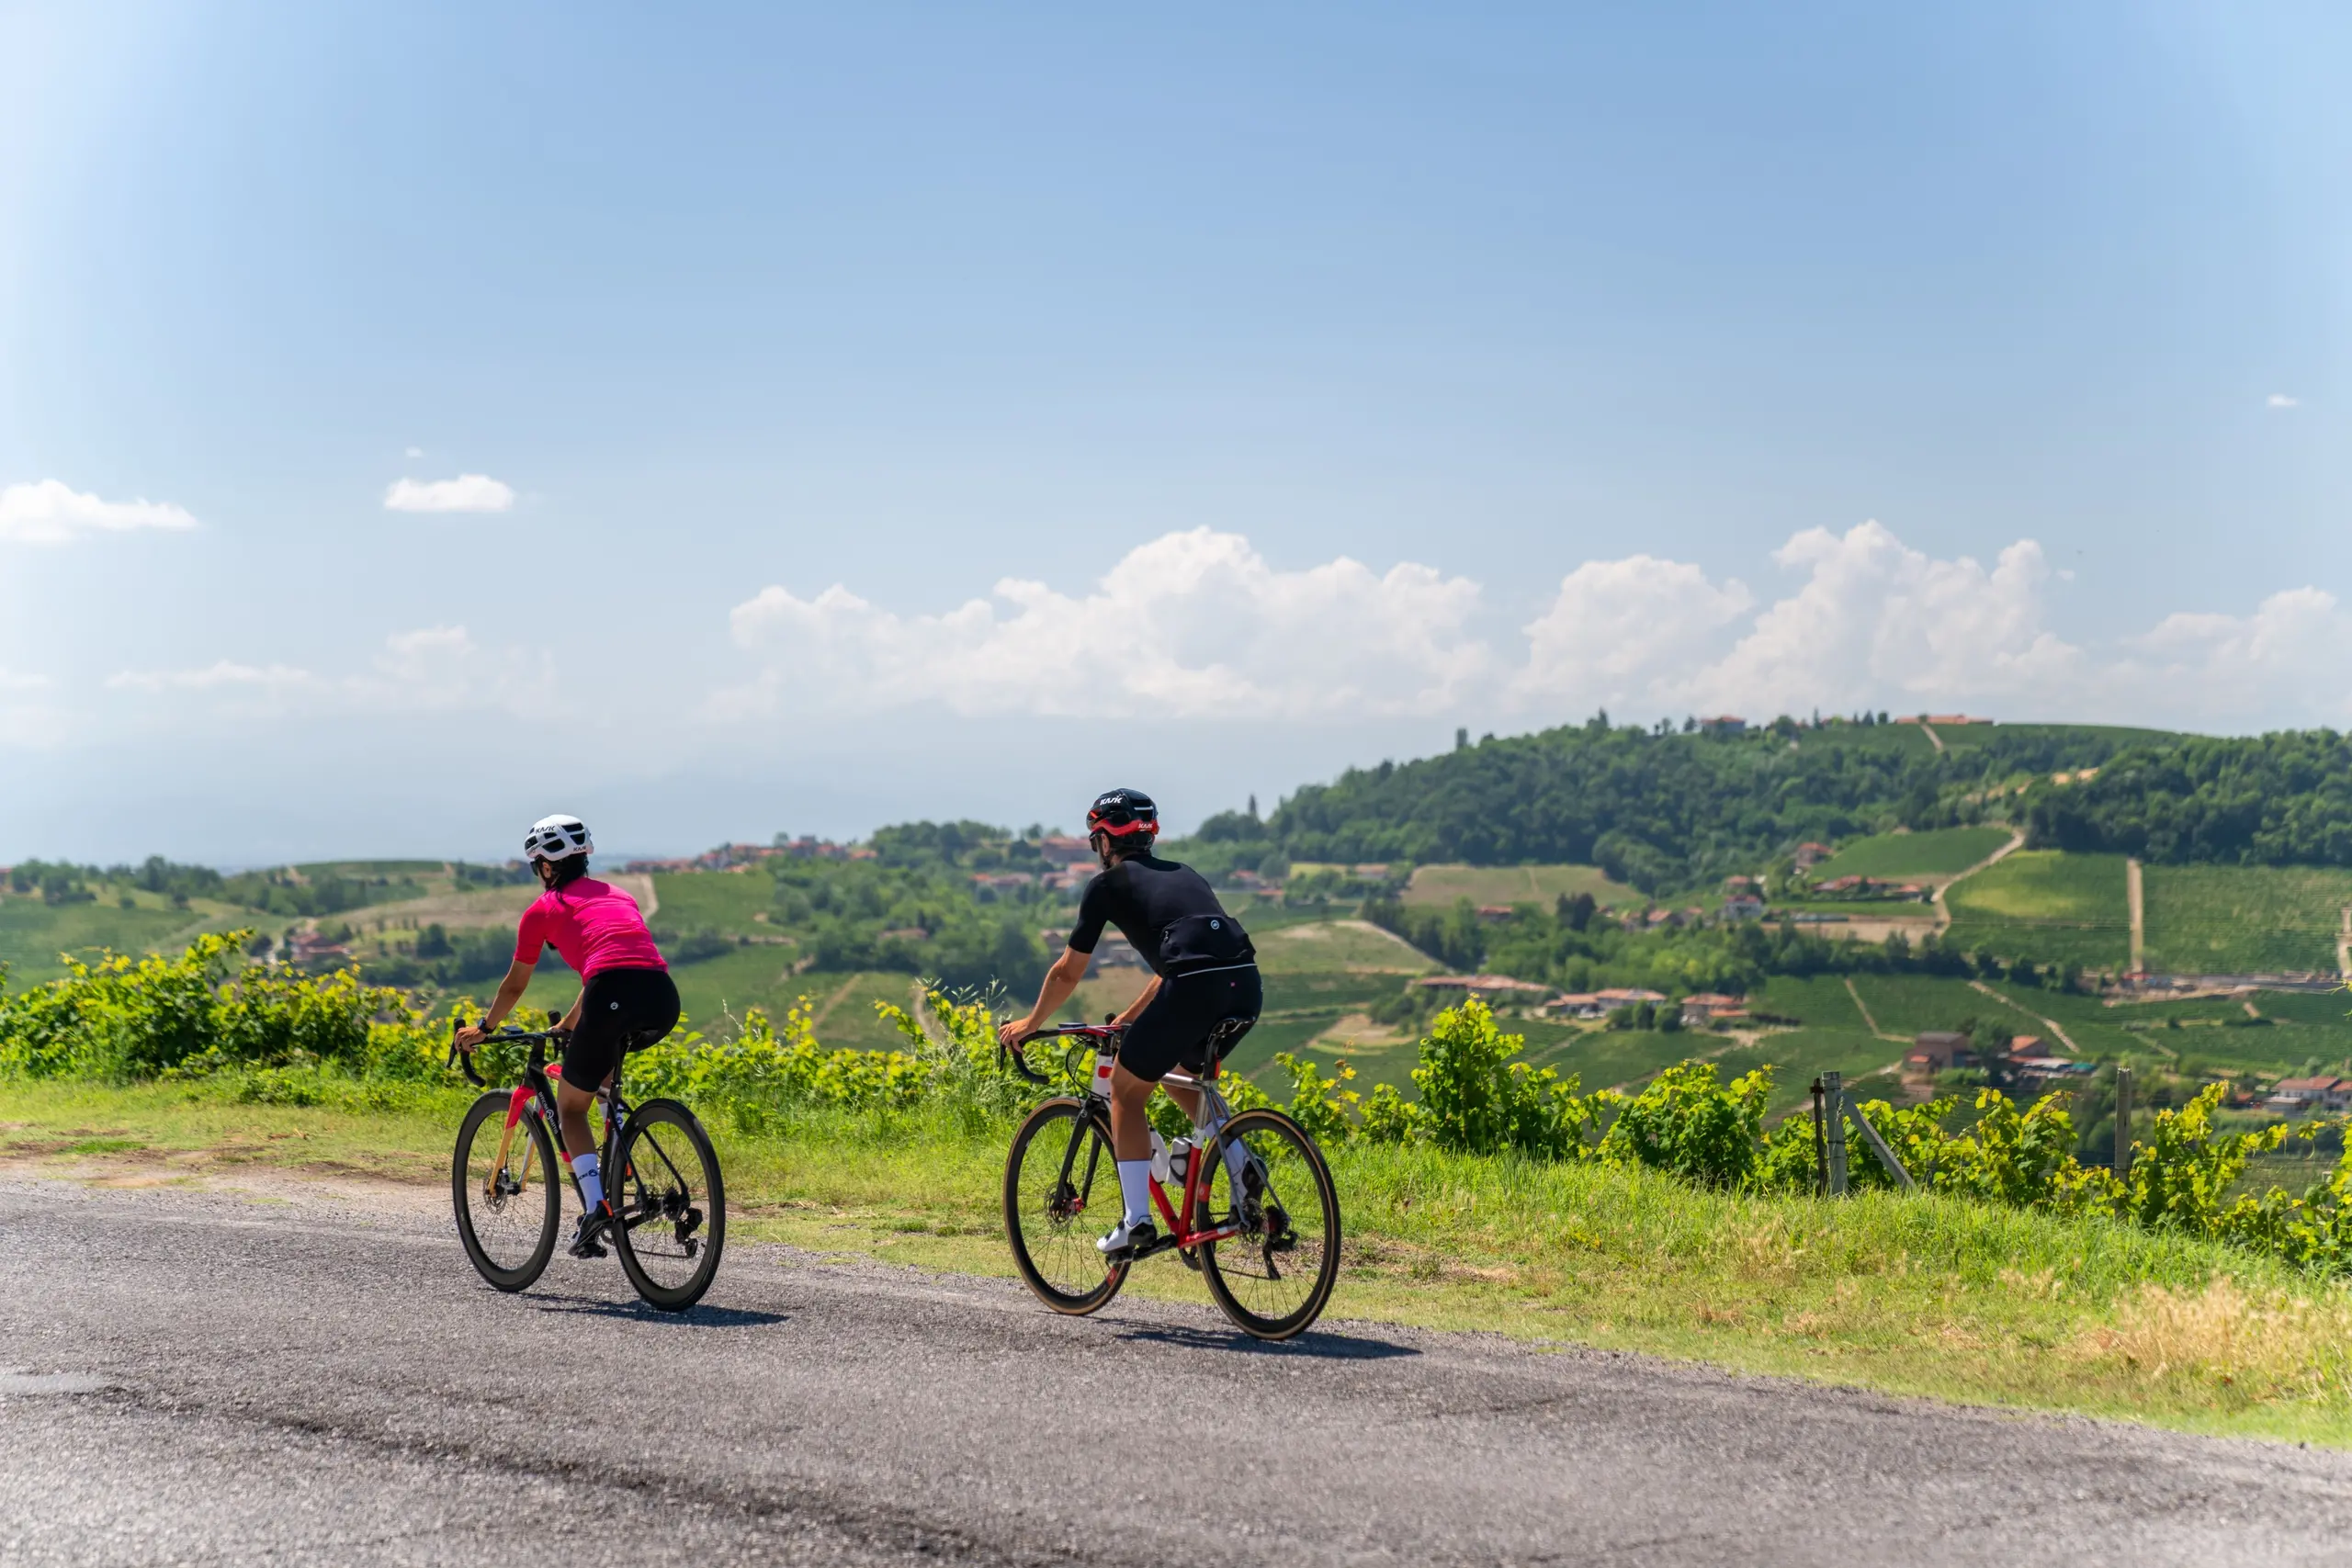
point(317, 1375)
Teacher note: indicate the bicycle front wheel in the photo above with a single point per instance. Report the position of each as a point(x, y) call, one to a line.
point(1061, 1183)
point(1266, 1175)
point(671, 1205)
point(508, 1192)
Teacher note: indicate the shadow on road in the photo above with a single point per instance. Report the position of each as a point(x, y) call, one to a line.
point(1315, 1346)
point(700, 1316)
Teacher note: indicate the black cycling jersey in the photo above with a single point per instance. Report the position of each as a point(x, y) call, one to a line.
point(1167, 912)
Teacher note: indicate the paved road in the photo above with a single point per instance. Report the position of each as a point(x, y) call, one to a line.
point(207, 1378)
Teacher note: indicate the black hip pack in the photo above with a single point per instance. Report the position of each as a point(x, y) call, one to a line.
point(1204, 941)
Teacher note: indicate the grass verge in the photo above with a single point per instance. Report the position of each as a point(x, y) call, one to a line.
point(1917, 1295)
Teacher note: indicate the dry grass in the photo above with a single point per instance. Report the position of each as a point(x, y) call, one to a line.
point(2241, 1346)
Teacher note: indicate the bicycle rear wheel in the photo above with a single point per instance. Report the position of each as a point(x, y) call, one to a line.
point(1059, 1166)
point(1273, 1278)
point(508, 1191)
point(671, 1203)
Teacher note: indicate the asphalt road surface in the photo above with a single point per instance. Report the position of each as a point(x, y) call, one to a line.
point(193, 1377)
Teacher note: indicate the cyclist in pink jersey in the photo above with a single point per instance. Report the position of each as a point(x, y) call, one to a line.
point(627, 999)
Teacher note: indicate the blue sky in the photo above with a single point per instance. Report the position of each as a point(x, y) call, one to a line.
point(506, 388)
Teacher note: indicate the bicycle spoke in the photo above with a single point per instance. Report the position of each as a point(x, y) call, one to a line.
point(1053, 1171)
point(1272, 1277)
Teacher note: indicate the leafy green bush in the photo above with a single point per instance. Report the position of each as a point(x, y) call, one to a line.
point(1687, 1122)
point(1475, 1100)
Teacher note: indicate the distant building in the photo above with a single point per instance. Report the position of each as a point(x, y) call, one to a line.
point(1481, 985)
point(2297, 1097)
point(1723, 724)
point(1951, 718)
point(1810, 854)
point(1576, 1004)
point(1116, 951)
point(1495, 912)
point(1063, 850)
point(1936, 1051)
point(1743, 907)
point(1703, 1007)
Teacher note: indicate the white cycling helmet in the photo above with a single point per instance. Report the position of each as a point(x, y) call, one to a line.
point(557, 838)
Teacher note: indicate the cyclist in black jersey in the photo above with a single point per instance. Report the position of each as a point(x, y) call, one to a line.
point(1204, 971)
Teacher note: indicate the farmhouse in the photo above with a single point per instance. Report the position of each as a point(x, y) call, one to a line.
point(1723, 724)
point(1811, 854)
point(1703, 1007)
point(2296, 1097)
point(1493, 987)
point(1936, 1051)
point(1743, 907)
point(1576, 1004)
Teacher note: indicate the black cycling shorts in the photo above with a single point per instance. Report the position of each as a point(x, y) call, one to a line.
point(624, 1009)
point(1175, 1030)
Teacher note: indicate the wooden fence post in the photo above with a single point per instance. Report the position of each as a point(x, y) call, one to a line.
point(1820, 1147)
point(2122, 1124)
point(1833, 1097)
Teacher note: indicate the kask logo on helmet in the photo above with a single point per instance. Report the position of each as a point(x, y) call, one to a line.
point(557, 838)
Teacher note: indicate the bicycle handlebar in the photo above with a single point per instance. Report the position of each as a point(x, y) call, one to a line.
point(1103, 1030)
point(464, 1060)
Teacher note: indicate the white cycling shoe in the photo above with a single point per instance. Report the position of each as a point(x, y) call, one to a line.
point(1128, 1238)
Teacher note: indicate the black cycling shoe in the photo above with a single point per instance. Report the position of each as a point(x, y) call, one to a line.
point(588, 1241)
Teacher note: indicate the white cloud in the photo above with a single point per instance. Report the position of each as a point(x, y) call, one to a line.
point(1879, 624)
point(222, 676)
point(1619, 631)
point(1200, 625)
point(432, 670)
point(50, 513)
point(467, 492)
point(2280, 400)
point(1192, 624)
point(414, 452)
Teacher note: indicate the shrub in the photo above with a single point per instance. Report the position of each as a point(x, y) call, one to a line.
point(1475, 1099)
point(1687, 1122)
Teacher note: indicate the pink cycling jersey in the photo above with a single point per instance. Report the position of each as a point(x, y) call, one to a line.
point(593, 925)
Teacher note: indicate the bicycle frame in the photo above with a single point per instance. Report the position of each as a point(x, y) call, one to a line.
point(1179, 1217)
point(536, 1091)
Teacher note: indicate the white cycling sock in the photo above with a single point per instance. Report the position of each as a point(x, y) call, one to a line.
point(592, 1184)
point(1134, 1187)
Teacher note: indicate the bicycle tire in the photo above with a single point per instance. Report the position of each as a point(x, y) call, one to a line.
point(1073, 1277)
point(494, 1226)
point(1225, 1265)
point(672, 1236)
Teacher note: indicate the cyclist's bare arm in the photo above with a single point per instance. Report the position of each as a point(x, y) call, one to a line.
point(1061, 984)
point(510, 991)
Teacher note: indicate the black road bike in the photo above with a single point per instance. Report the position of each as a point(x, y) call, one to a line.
point(1256, 1213)
point(661, 1177)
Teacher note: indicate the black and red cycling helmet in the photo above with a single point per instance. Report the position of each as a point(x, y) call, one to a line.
point(1122, 814)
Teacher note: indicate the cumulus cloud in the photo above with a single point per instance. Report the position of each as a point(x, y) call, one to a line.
point(432, 668)
point(50, 512)
point(1877, 623)
point(224, 674)
point(2280, 400)
point(1193, 624)
point(467, 492)
point(1200, 625)
point(1622, 632)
